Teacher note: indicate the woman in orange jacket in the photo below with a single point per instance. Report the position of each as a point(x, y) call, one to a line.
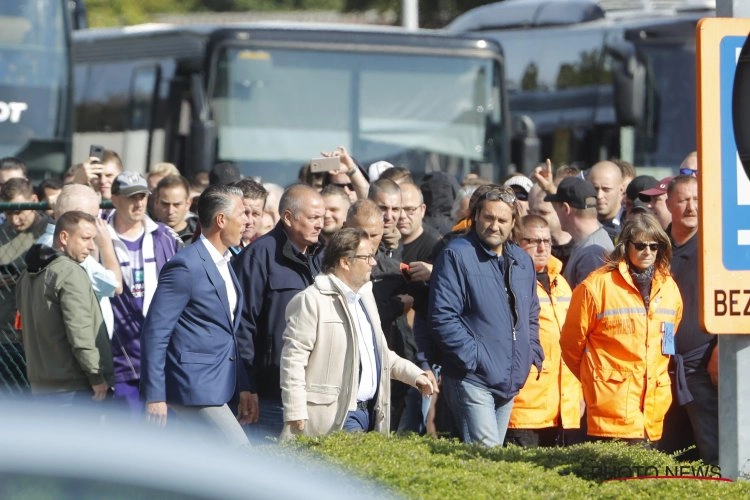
point(619, 334)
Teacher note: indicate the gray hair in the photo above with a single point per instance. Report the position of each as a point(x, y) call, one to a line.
point(294, 198)
point(216, 199)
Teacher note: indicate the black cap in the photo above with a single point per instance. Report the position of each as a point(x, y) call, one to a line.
point(640, 183)
point(576, 192)
point(224, 173)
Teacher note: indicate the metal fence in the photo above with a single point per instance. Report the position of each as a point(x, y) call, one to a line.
point(13, 246)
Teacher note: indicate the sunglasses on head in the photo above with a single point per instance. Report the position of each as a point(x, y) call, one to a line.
point(688, 171)
point(497, 195)
point(642, 246)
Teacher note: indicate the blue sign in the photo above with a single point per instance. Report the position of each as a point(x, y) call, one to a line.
point(735, 186)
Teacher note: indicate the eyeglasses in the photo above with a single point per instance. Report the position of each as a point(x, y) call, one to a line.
point(367, 258)
point(347, 185)
point(497, 195)
point(688, 171)
point(537, 241)
point(410, 210)
point(642, 246)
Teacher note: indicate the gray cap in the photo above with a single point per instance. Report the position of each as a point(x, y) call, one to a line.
point(129, 183)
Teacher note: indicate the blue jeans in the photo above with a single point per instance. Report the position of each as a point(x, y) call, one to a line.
point(68, 398)
point(480, 416)
point(270, 422)
point(357, 421)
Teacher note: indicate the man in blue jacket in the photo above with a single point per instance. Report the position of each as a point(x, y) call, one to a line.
point(484, 313)
point(272, 270)
point(189, 358)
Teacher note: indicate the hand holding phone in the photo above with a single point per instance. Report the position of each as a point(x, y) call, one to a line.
point(96, 151)
point(318, 165)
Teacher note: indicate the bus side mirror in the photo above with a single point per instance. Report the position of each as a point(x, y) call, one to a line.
point(525, 147)
point(202, 145)
point(203, 133)
point(79, 19)
point(629, 85)
point(740, 105)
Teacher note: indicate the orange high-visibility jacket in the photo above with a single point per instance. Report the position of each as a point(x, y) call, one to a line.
point(614, 347)
point(556, 394)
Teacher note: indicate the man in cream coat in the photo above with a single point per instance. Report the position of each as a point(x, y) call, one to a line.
point(336, 367)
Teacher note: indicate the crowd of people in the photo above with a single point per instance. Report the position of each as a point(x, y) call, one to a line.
point(544, 311)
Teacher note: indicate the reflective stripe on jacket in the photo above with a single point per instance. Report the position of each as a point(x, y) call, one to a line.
point(556, 394)
point(614, 346)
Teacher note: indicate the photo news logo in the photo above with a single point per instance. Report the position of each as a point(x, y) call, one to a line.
point(630, 472)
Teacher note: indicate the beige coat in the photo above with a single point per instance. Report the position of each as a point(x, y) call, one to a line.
point(320, 361)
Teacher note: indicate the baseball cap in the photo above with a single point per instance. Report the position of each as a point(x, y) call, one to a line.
point(660, 189)
point(521, 185)
point(639, 184)
point(377, 168)
point(129, 183)
point(576, 192)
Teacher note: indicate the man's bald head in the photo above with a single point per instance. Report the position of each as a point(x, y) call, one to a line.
point(607, 179)
point(77, 197)
point(297, 196)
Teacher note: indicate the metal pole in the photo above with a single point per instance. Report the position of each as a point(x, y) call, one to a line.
point(734, 360)
point(732, 8)
point(410, 17)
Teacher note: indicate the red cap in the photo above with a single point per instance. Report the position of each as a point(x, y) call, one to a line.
point(660, 189)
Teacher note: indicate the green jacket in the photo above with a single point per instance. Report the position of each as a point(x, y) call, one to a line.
point(64, 337)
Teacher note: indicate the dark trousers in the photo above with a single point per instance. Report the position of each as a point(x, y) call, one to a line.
point(532, 438)
point(358, 421)
point(695, 424)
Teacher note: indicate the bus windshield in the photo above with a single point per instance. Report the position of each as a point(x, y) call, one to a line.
point(35, 82)
point(276, 109)
point(669, 132)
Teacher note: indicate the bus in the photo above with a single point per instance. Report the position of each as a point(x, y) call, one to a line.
point(596, 80)
point(269, 97)
point(35, 84)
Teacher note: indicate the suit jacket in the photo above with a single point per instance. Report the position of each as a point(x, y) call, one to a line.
point(320, 360)
point(189, 349)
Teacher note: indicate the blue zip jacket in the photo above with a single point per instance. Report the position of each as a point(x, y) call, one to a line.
point(270, 271)
point(487, 336)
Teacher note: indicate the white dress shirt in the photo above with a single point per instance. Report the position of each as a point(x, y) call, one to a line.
point(222, 264)
point(368, 380)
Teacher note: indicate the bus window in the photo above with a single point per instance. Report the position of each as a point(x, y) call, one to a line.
point(397, 107)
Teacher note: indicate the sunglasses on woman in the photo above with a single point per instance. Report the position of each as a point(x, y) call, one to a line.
point(642, 246)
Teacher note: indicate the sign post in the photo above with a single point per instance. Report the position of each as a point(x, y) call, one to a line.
point(724, 234)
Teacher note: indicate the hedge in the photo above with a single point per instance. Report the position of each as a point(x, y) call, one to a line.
point(422, 467)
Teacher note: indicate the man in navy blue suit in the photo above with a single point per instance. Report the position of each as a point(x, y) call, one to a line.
point(189, 349)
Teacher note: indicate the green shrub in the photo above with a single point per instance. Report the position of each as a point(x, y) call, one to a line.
point(417, 467)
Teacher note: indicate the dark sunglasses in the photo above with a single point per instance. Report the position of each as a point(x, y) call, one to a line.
point(347, 185)
point(642, 246)
point(688, 171)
